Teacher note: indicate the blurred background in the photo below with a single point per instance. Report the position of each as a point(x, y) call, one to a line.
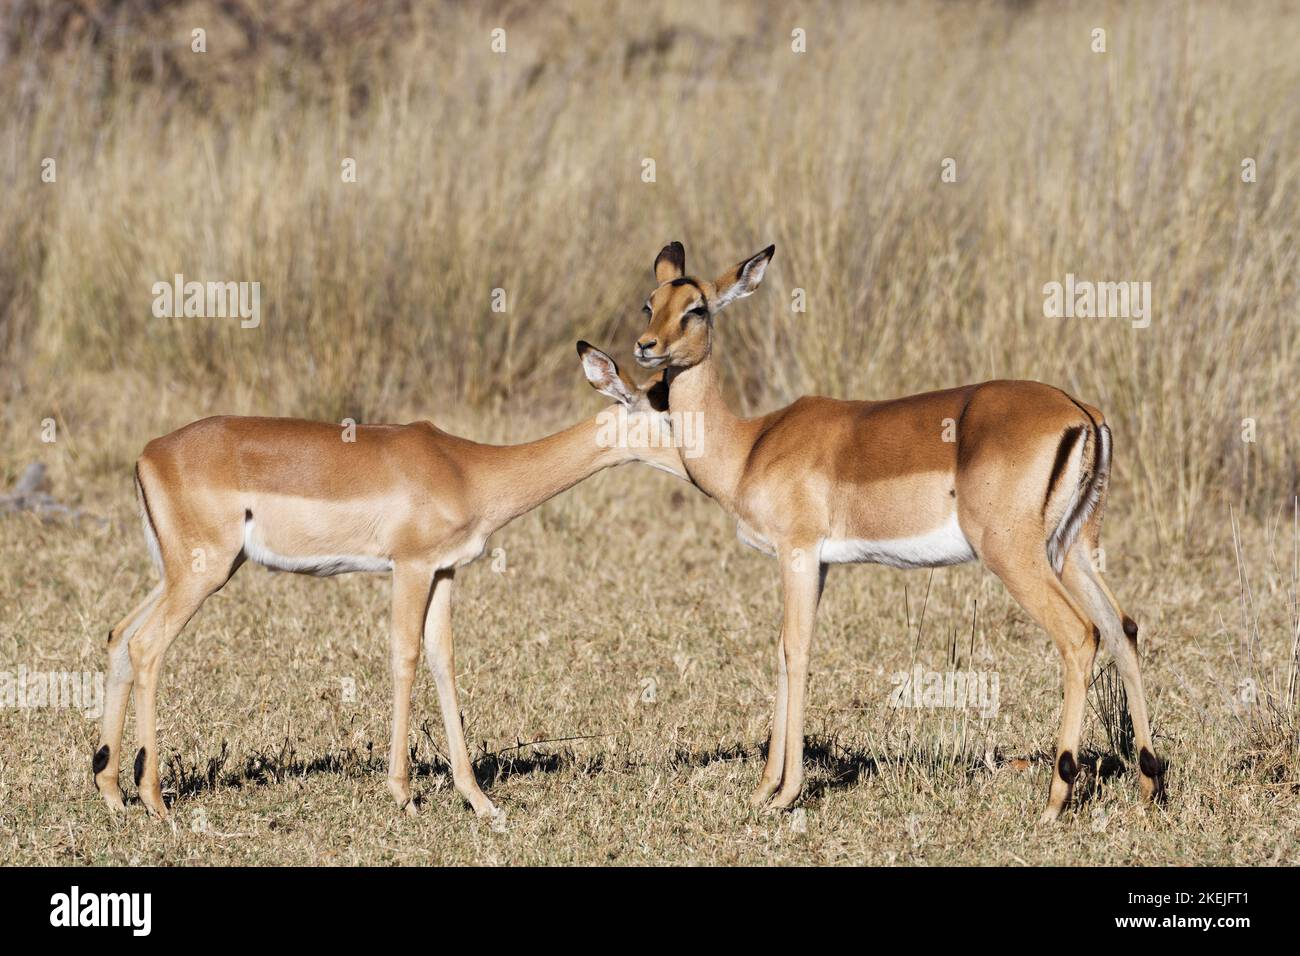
point(522, 170)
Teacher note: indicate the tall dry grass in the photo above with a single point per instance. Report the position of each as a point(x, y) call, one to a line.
point(522, 171)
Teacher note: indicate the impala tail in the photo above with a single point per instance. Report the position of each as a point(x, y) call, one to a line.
point(146, 519)
point(1092, 464)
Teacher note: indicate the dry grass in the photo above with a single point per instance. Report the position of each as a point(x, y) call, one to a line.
point(272, 766)
point(522, 171)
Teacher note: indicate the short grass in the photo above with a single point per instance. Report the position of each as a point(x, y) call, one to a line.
point(617, 677)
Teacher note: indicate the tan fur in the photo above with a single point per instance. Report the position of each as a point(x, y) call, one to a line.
point(822, 470)
point(412, 497)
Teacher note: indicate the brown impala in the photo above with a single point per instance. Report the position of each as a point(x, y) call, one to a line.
point(295, 496)
point(1011, 473)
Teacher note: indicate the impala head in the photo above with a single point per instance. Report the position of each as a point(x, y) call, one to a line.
point(605, 377)
point(680, 310)
point(641, 424)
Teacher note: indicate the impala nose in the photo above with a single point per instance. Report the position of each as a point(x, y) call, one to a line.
point(645, 345)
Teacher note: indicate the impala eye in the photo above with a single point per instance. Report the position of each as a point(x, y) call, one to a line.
point(646, 310)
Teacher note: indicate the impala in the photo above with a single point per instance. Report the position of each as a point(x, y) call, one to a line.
point(296, 496)
point(1011, 473)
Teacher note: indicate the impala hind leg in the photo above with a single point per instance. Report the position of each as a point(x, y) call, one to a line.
point(442, 662)
point(412, 587)
point(108, 752)
point(1120, 633)
point(184, 592)
point(1034, 584)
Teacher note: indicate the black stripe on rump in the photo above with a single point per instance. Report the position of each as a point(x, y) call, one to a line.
point(1063, 451)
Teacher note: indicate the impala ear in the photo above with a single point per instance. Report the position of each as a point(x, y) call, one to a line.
point(670, 263)
point(742, 280)
point(602, 373)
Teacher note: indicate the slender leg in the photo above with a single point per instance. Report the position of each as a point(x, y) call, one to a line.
point(802, 579)
point(1032, 582)
point(135, 618)
point(411, 592)
point(1119, 632)
point(442, 661)
point(108, 752)
point(771, 779)
point(147, 646)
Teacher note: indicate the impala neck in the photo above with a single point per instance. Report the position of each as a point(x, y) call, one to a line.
point(726, 439)
point(515, 479)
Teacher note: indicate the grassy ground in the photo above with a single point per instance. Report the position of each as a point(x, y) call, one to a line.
point(617, 675)
point(629, 579)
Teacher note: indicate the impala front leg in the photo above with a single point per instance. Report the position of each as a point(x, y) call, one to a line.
point(442, 661)
point(770, 782)
point(411, 592)
point(802, 577)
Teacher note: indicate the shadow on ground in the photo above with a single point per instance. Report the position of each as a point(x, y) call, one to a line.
point(830, 765)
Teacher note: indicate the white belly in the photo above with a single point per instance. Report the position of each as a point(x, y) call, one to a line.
point(944, 545)
point(320, 565)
